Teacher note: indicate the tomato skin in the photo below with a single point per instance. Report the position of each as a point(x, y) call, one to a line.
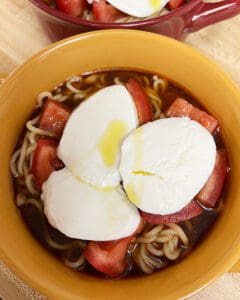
point(72, 7)
point(54, 117)
point(108, 257)
point(193, 209)
point(174, 4)
point(104, 12)
point(210, 193)
point(206, 120)
point(179, 108)
point(182, 108)
point(141, 100)
point(45, 161)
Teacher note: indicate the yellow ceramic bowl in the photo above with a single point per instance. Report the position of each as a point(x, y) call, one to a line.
point(114, 49)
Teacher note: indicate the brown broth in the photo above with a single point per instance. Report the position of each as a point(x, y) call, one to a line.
point(196, 228)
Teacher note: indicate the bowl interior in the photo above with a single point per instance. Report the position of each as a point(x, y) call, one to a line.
point(115, 49)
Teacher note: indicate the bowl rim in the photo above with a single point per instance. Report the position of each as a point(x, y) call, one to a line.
point(98, 25)
point(214, 273)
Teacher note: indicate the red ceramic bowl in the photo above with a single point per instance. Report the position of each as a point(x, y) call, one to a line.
point(177, 24)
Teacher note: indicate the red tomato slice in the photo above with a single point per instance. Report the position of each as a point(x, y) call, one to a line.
point(193, 209)
point(174, 4)
point(54, 117)
point(212, 190)
point(104, 12)
point(141, 100)
point(108, 257)
point(72, 7)
point(181, 108)
point(45, 161)
point(206, 120)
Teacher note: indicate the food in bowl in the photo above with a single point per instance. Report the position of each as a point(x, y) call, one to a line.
point(119, 172)
point(115, 10)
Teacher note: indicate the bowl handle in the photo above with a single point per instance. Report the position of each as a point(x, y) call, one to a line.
point(205, 14)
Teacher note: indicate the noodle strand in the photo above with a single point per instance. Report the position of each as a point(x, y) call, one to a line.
point(158, 242)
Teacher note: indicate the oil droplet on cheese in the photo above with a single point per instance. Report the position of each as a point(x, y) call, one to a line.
point(144, 173)
point(132, 195)
point(106, 189)
point(155, 3)
point(110, 142)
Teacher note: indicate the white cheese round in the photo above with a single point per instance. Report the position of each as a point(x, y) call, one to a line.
point(81, 211)
point(90, 144)
point(165, 163)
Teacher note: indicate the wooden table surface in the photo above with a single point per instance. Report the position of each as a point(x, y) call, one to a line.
point(21, 36)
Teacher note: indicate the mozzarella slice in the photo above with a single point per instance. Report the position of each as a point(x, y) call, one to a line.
point(139, 8)
point(165, 163)
point(90, 144)
point(83, 212)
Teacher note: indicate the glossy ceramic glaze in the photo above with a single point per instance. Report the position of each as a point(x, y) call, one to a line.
point(177, 24)
point(114, 49)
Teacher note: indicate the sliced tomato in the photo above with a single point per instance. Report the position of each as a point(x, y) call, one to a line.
point(72, 7)
point(104, 12)
point(193, 209)
point(45, 161)
point(212, 190)
point(206, 120)
point(108, 257)
point(141, 100)
point(174, 4)
point(181, 108)
point(54, 117)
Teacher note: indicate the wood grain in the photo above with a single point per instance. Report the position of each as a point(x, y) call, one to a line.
point(21, 36)
point(221, 42)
